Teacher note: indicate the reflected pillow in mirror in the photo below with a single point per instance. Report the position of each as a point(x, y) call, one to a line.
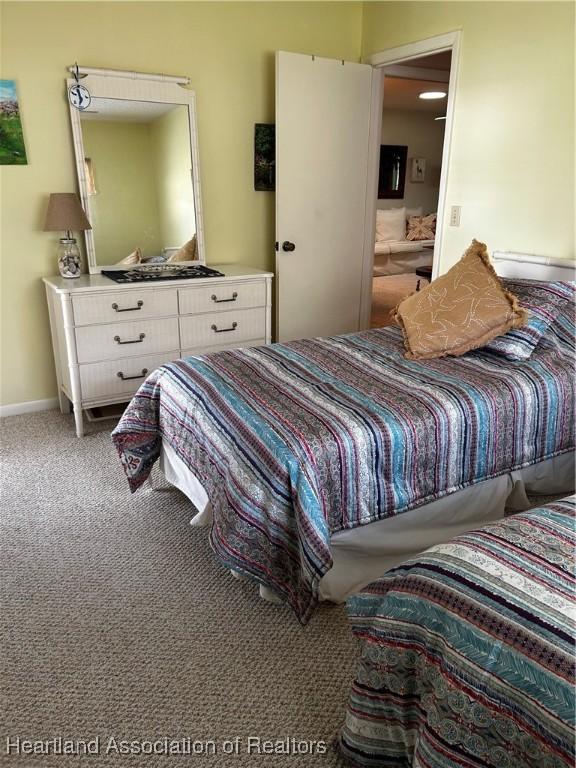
point(544, 301)
point(134, 258)
point(188, 252)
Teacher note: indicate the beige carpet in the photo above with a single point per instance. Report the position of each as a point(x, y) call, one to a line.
point(387, 292)
point(117, 620)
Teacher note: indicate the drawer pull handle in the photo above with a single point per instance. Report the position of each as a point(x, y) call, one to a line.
point(216, 300)
point(121, 375)
point(118, 340)
point(138, 306)
point(224, 330)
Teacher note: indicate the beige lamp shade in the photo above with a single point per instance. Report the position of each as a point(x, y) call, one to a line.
point(65, 213)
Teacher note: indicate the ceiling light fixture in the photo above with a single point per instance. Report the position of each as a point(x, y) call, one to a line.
point(432, 95)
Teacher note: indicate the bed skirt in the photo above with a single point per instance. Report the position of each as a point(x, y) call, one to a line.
point(363, 554)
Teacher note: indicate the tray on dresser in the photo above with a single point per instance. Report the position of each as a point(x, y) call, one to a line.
point(160, 272)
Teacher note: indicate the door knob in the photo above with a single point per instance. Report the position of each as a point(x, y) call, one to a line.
point(288, 246)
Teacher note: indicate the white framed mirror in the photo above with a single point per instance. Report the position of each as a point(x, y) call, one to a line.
point(136, 151)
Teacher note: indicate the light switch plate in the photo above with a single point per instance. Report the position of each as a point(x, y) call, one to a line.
point(455, 216)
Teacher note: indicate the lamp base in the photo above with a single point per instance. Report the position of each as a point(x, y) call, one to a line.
point(69, 258)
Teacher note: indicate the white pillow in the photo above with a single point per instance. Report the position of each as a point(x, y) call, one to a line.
point(391, 224)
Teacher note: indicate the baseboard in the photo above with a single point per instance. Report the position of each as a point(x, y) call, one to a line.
point(15, 409)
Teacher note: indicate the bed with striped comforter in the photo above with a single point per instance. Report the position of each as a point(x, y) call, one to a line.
point(294, 442)
point(468, 652)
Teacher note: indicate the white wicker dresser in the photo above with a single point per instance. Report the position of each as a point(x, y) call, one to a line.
point(108, 337)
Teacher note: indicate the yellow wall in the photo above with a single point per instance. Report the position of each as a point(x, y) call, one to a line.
point(172, 159)
point(227, 49)
point(512, 161)
point(124, 212)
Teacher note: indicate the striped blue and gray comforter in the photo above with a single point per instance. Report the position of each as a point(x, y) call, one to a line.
point(294, 442)
point(468, 652)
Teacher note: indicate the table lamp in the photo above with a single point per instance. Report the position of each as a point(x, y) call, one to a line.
point(65, 213)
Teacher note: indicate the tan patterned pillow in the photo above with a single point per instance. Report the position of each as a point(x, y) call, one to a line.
point(188, 252)
point(459, 311)
point(421, 227)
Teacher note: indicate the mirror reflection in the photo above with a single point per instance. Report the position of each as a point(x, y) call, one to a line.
point(137, 162)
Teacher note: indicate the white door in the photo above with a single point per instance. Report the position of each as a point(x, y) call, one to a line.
point(322, 146)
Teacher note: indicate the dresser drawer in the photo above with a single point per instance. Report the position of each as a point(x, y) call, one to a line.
point(102, 380)
point(221, 297)
point(111, 306)
point(219, 328)
point(109, 342)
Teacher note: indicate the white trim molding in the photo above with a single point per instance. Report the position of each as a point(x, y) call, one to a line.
point(84, 71)
point(374, 139)
point(426, 47)
point(31, 406)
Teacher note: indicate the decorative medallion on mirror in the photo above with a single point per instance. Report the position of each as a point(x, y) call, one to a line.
point(136, 150)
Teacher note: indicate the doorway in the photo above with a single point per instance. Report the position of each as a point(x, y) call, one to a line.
point(415, 97)
point(405, 73)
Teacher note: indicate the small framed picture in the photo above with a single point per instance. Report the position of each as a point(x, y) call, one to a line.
point(12, 149)
point(264, 157)
point(418, 169)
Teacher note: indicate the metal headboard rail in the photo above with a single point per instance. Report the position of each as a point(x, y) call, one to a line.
point(532, 258)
